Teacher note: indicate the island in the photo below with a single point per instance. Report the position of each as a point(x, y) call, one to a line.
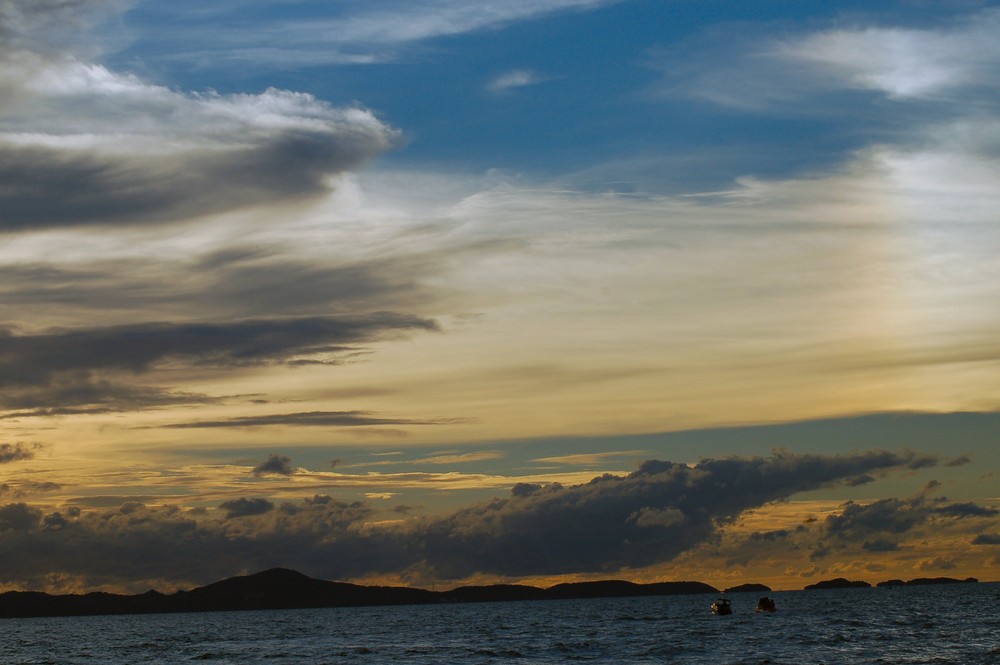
point(755, 588)
point(924, 581)
point(280, 588)
point(840, 583)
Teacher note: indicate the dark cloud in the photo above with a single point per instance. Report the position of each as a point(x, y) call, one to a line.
point(228, 284)
point(652, 515)
point(961, 460)
point(649, 516)
point(18, 517)
point(880, 546)
point(48, 187)
point(778, 535)
point(68, 369)
point(987, 539)
point(886, 516)
point(858, 522)
point(878, 526)
point(246, 507)
point(966, 510)
point(16, 452)
point(280, 465)
point(310, 419)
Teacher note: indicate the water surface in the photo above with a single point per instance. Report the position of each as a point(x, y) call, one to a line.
point(936, 624)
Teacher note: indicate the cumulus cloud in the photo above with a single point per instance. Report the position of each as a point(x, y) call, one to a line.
point(649, 516)
point(244, 507)
point(654, 514)
point(59, 369)
point(886, 524)
point(18, 517)
point(278, 465)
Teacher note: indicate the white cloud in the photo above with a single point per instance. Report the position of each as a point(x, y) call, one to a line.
point(800, 73)
point(361, 33)
point(906, 62)
point(517, 78)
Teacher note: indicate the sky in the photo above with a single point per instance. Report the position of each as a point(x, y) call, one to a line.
point(432, 292)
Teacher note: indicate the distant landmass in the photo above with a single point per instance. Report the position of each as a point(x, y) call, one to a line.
point(841, 583)
point(756, 588)
point(280, 588)
point(922, 581)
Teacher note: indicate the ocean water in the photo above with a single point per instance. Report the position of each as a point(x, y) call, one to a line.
point(936, 624)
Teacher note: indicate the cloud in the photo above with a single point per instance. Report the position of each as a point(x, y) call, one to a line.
point(906, 62)
point(649, 516)
point(804, 73)
point(219, 283)
point(966, 510)
point(590, 459)
point(879, 546)
point(51, 22)
point(517, 78)
point(19, 517)
point(244, 507)
point(60, 368)
point(279, 465)
point(987, 539)
point(355, 33)
point(444, 458)
point(309, 419)
point(880, 525)
point(118, 151)
point(16, 452)
point(81, 144)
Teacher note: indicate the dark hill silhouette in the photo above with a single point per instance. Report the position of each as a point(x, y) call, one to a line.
point(923, 581)
point(280, 588)
point(756, 588)
point(839, 583)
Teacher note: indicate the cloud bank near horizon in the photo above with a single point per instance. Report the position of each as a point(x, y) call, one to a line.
point(612, 523)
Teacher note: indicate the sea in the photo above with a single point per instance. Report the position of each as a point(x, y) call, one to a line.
point(933, 624)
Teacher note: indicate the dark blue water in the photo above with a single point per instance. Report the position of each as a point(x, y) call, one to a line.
point(940, 624)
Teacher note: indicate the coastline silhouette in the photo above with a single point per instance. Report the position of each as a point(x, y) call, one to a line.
point(281, 588)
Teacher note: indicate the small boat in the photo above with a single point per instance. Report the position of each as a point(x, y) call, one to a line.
point(722, 606)
point(765, 604)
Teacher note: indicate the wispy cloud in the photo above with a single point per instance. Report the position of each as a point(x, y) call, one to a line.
point(358, 33)
point(309, 419)
point(589, 459)
point(801, 73)
point(72, 368)
point(517, 78)
point(904, 63)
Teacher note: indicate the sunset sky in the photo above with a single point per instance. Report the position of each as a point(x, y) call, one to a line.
point(432, 292)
